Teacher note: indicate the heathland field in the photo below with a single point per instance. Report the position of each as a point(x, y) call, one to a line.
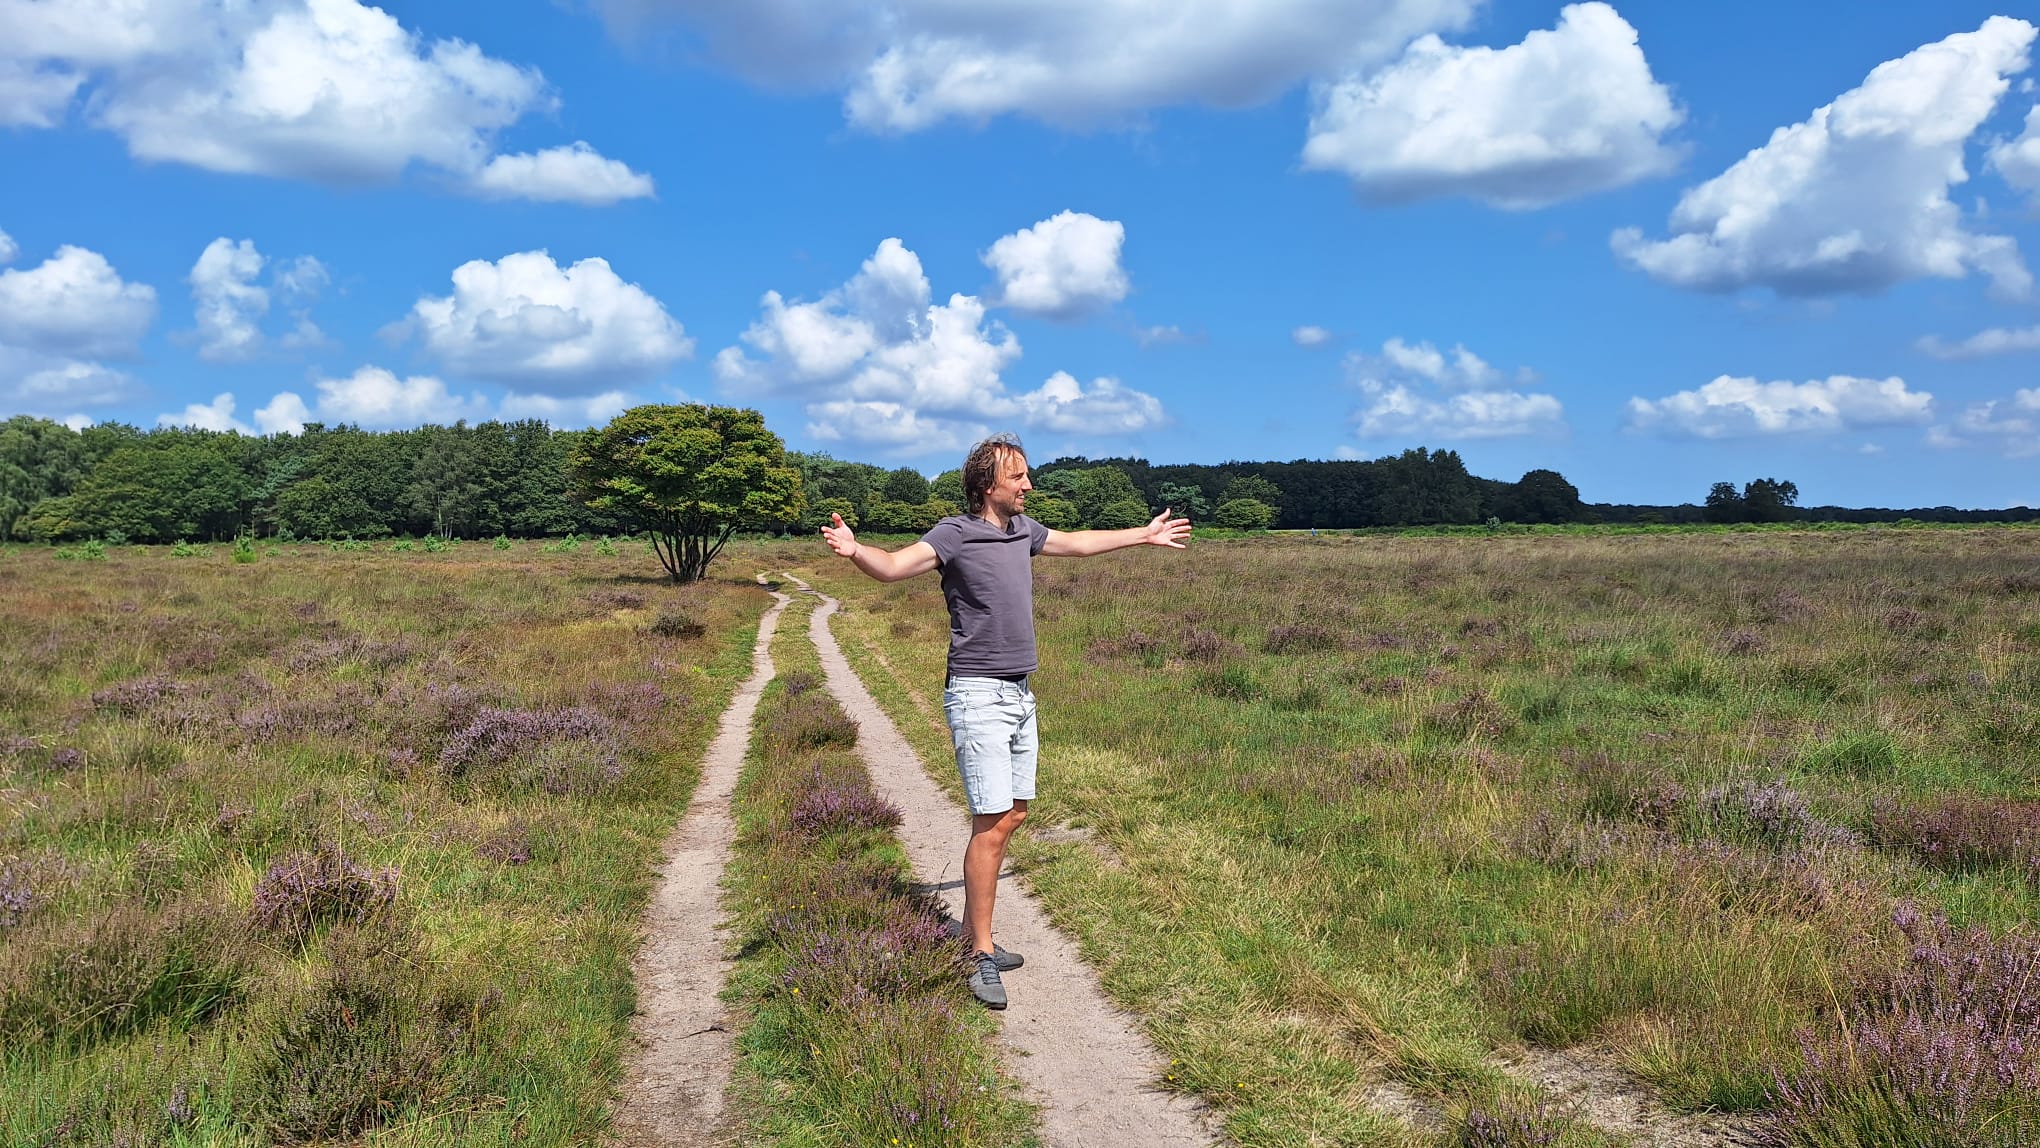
point(320, 841)
point(1751, 816)
point(347, 845)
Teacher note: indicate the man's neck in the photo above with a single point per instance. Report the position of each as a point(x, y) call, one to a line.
point(994, 519)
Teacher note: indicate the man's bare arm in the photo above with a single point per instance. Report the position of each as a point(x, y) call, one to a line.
point(886, 566)
point(1163, 531)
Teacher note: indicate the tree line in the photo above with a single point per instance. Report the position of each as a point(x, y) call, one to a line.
point(118, 482)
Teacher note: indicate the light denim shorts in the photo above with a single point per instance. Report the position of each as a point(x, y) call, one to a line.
point(992, 723)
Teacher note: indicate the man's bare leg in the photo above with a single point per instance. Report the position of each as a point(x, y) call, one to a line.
point(982, 859)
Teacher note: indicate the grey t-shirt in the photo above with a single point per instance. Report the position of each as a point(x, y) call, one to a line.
point(988, 581)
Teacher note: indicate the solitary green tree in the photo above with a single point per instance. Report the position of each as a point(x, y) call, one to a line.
point(689, 475)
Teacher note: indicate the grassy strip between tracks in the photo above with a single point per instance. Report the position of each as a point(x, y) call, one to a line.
point(861, 1029)
point(337, 845)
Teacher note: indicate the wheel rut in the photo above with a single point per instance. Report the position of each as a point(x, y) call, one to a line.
point(1078, 1056)
point(682, 1040)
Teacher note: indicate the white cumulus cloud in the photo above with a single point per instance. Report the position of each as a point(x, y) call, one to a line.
point(74, 303)
point(525, 320)
point(1568, 111)
point(228, 304)
point(1854, 198)
point(878, 362)
point(1416, 391)
point(329, 90)
point(56, 320)
point(217, 415)
point(573, 174)
point(2018, 159)
point(1063, 267)
point(1309, 336)
point(376, 398)
point(909, 64)
point(1992, 341)
point(1731, 407)
point(1062, 404)
point(567, 412)
point(2011, 425)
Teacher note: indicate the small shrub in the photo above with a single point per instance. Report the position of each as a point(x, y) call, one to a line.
point(1232, 681)
point(434, 544)
point(1740, 642)
point(1302, 638)
point(568, 748)
point(1475, 715)
point(1202, 645)
point(1960, 833)
point(799, 683)
point(605, 547)
point(501, 543)
point(244, 549)
point(303, 889)
point(826, 807)
point(185, 549)
point(1767, 813)
point(566, 545)
point(1937, 1052)
point(137, 696)
point(81, 980)
point(676, 624)
point(368, 1040)
point(402, 546)
point(1511, 1122)
point(810, 721)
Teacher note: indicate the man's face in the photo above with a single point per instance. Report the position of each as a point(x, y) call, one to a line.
point(1008, 495)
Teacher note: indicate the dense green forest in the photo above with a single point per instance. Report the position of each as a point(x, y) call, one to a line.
point(119, 482)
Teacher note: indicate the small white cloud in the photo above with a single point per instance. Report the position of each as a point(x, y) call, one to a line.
point(2018, 160)
point(8, 249)
point(217, 415)
point(1308, 336)
point(283, 414)
point(1566, 112)
point(301, 280)
point(2011, 425)
point(572, 413)
point(1064, 267)
point(32, 383)
point(1161, 335)
point(77, 422)
point(229, 305)
point(1855, 198)
point(1062, 404)
point(1731, 407)
point(1416, 391)
point(377, 399)
point(525, 320)
point(75, 304)
point(573, 174)
point(1994, 341)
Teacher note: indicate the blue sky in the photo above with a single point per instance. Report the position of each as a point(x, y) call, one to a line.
point(1651, 246)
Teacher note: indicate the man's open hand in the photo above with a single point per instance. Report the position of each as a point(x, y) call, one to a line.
point(1166, 531)
point(839, 537)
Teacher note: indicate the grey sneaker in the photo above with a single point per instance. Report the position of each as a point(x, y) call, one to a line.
point(1007, 962)
point(984, 980)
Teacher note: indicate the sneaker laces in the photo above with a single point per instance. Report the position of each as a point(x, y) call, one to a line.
point(988, 969)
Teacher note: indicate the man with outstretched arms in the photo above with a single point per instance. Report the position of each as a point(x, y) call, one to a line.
point(986, 559)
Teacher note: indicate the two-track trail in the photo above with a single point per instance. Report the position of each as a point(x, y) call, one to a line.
point(673, 1087)
point(1078, 1056)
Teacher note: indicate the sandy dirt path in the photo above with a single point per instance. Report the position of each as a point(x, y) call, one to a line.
point(1076, 1054)
point(682, 1043)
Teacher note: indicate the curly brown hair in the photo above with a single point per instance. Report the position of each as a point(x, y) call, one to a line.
point(981, 467)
